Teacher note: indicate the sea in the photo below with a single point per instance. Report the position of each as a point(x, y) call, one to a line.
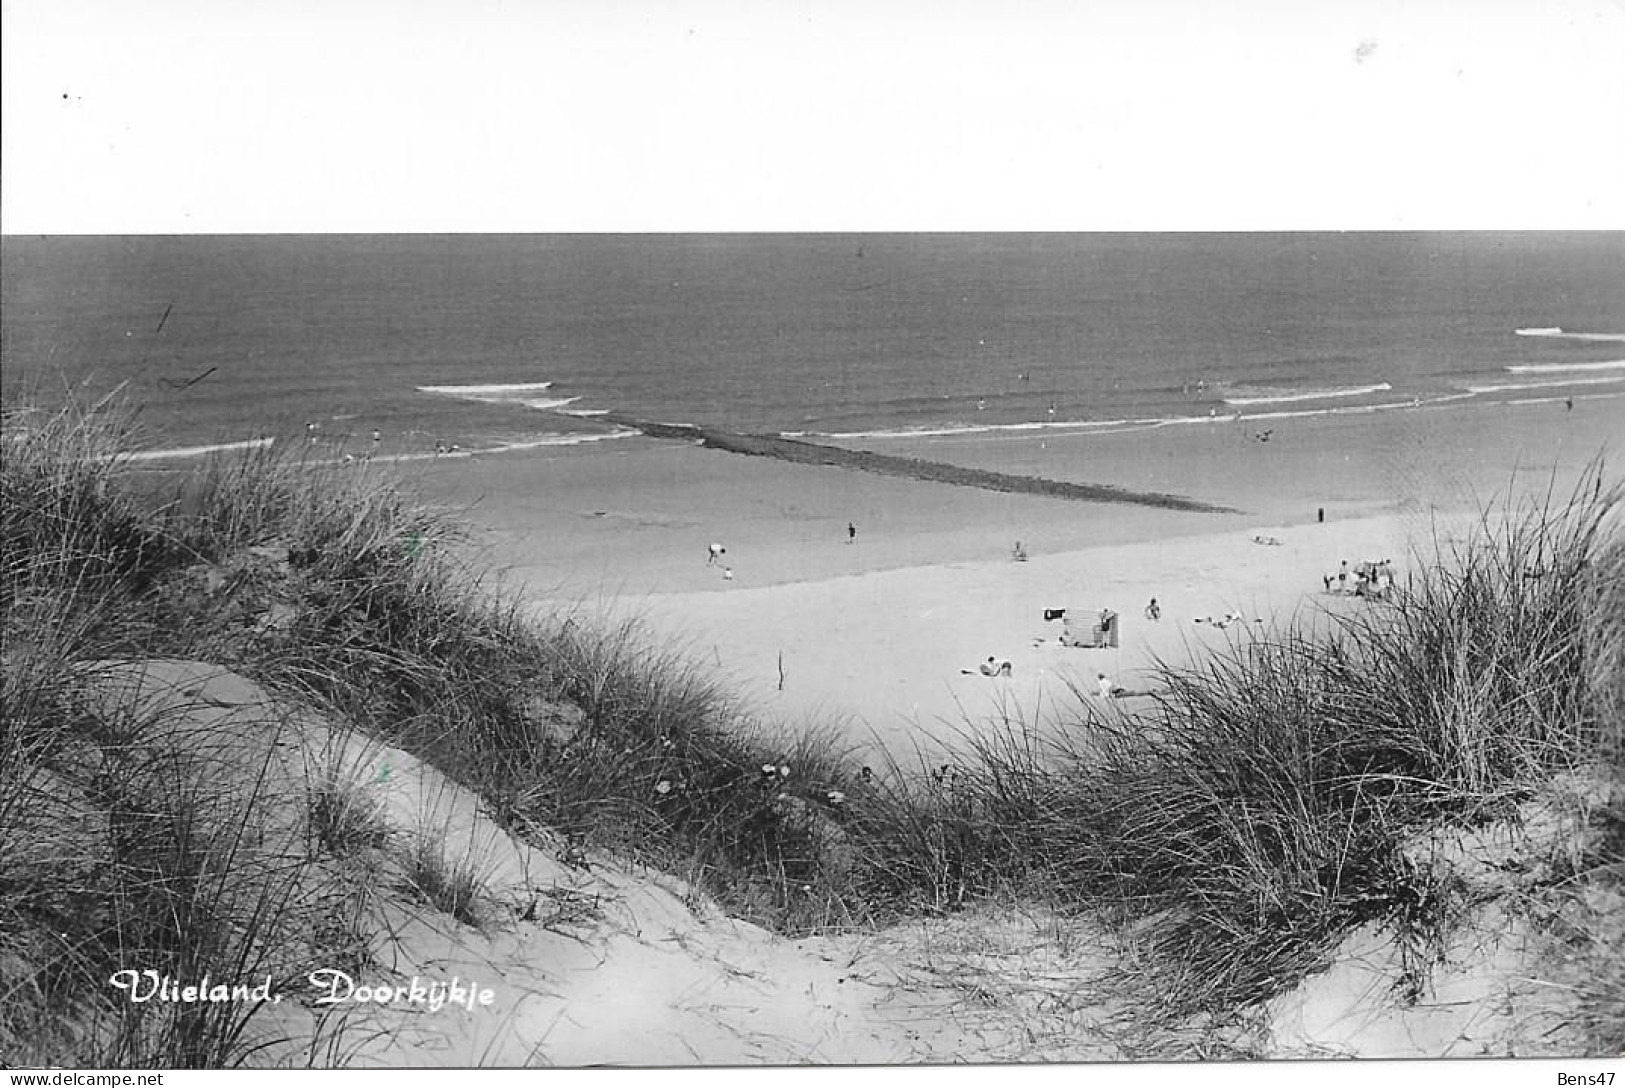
point(415, 345)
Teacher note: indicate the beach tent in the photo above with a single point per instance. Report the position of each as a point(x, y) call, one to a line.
point(1091, 630)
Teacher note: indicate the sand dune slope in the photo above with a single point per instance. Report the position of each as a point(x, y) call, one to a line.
point(570, 958)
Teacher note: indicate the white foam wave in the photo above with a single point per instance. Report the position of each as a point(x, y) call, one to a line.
point(180, 452)
point(1356, 409)
point(1560, 368)
point(585, 413)
point(1119, 426)
point(1297, 395)
point(543, 441)
point(1513, 387)
point(508, 394)
point(520, 445)
point(1554, 332)
point(951, 429)
point(498, 390)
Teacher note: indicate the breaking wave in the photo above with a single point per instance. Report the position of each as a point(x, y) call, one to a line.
point(1291, 396)
point(503, 390)
point(1554, 332)
point(1513, 387)
point(181, 452)
point(1559, 368)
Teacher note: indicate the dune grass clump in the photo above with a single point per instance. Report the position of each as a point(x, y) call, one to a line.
point(450, 880)
point(66, 511)
point(130, 874)
point(344, 817)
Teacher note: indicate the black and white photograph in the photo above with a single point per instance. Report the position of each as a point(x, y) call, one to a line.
point(722, 535)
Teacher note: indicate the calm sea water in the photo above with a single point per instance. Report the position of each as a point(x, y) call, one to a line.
point(508, 340)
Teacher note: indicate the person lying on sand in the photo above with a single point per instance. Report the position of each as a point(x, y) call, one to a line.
point(1269, 540)
point(1229, 618)
point(993, 666)
point(1105, 689)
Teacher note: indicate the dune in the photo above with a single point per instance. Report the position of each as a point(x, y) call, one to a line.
point(567, 958)
point(577, 959)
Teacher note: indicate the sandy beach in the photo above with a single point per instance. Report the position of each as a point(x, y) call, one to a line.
point(881, 635)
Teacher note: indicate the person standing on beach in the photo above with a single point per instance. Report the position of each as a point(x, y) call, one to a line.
point(851, 532)
point(717, 551)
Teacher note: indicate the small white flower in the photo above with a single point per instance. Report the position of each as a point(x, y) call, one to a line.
point(835, 797)
point(784, 770)
point(768, 768)
point(663, 787)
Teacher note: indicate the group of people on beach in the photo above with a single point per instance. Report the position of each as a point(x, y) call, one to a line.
point(1372, 579)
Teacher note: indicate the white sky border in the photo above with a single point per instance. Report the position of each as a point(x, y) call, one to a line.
point(395, 116)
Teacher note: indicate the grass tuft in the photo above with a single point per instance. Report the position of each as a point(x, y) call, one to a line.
point(452, 882)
